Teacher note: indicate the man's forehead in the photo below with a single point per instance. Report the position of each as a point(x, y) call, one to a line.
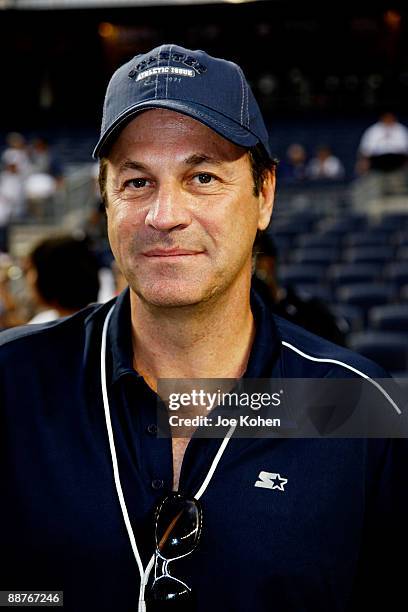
point(153, 122)
point(164, 131)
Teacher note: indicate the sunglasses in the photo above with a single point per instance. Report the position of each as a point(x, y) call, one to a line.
point(178, 525)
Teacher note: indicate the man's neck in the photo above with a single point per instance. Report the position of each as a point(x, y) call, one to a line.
point(211, 340)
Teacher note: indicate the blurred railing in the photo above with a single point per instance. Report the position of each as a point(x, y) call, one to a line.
point(373, 195)
point(66, 211)
point(322, 198)
point(79, 193)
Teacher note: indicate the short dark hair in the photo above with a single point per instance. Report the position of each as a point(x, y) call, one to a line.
point(261, 165)
point(259, 159)
point(67, 272)
point(103, 168)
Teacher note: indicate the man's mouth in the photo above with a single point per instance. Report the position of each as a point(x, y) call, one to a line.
point(175, 252)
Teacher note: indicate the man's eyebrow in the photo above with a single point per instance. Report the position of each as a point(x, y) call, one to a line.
point(130, 164)
point(193, 160)
point(201, 158)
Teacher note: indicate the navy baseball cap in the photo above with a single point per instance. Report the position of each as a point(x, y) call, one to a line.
point(211, 90)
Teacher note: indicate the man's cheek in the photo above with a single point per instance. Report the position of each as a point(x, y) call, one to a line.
point(120, 224)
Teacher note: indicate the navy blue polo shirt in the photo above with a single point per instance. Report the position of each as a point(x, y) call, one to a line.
point(320, 542)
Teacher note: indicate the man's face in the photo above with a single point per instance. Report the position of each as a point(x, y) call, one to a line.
point(182, 214)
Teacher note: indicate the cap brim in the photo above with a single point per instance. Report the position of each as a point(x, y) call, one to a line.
point(212, 119)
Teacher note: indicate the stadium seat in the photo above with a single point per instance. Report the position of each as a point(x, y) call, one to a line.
point(367, 239)
point(366, 295)
point(318, 241)
point(397, 273)
point(379, 255)
point(348, 274)
point(402, 380)
point(291, 227)
point(388, 349)
point(294, 274)
point(402, 253)
point(404, 294)
point(400, 238)
point(320, 256)
point(340, 226)
point(314, 291)
point(353, 316)
point(394, 221)
point(391, 317)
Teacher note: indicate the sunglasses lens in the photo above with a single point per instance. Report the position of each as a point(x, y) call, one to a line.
point(168, 589)
point(178, 525)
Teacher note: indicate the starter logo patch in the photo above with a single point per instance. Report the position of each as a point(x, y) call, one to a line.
point(271, 480)
point(173, 70)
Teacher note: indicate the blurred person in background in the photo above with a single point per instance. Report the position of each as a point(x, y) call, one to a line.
point(325, 166)
point(384, 145)
point(307, 312)
point(5, 215)
point(292, 169)
point(11, 311)
point(43, 159)
point(16, 152)
point(12, 191)
point(45, 179)
point(382, 158)
point(63, 277)
point(94, 224)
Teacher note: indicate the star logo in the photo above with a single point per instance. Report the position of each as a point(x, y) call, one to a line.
point(271, 480)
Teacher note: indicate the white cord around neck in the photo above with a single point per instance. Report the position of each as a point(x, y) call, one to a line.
point(144, 574)
point(112, 446)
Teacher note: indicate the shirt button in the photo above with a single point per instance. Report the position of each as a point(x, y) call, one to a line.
point(152, 429)
point(157, 484)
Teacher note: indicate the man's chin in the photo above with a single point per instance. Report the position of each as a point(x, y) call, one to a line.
point(170, 297)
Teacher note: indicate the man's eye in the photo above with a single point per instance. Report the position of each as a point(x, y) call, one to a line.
point(204, 178)
point(136, 183)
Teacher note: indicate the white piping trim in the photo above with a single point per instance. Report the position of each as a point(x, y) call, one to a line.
point(348, 367)
point(144, 574)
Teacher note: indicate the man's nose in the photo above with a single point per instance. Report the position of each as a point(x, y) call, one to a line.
point(169, 209)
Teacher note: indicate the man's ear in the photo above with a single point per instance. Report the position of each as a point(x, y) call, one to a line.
point(266, 200)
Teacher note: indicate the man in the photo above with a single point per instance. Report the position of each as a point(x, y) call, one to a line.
point(260, 524)
point(382, 160)
point(384, 145)
point(325, 166)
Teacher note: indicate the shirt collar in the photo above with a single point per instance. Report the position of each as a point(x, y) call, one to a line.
point(266, 347)
point(264, 353)
point(120, 338)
